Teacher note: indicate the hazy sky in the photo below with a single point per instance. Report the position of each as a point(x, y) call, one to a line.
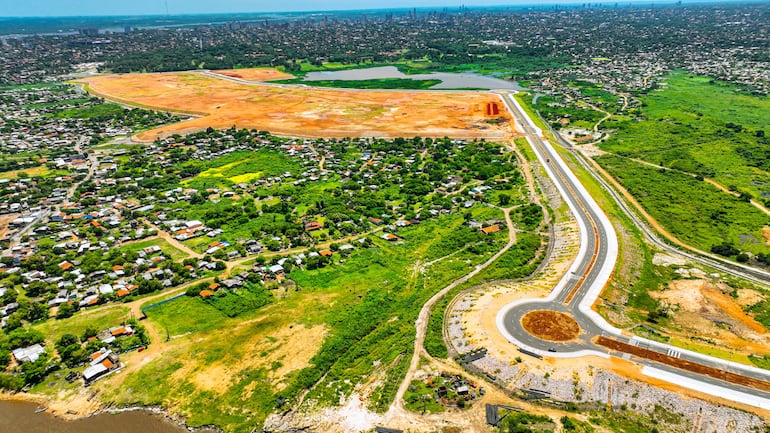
point(158, 7)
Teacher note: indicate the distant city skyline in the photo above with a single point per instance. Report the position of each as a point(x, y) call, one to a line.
point(62, 8)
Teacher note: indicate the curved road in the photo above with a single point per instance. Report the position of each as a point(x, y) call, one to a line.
point(580, 287)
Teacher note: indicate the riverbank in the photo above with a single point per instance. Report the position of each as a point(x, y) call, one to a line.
point(22, 412)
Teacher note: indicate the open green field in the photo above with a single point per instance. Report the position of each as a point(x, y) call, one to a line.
point(702, 127)
point(698, 128)
point(96, 111)
point(99, 318)
point(238, 167)
point(170, 251)
point(335, 328)
point(714, 218)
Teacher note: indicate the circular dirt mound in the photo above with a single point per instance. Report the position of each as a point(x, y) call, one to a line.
point(550, 325)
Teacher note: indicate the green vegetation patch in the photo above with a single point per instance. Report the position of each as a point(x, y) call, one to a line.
point(168, 250)
point(237, 167)
point(381, 83)
point(185, 315)
point(96, 111)
point(703, 127)
point(711, 219)
point(100, 319)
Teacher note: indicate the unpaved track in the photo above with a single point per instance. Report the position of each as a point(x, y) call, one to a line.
point(421, 324)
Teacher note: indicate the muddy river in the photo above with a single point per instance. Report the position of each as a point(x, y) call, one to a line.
point(20, 417)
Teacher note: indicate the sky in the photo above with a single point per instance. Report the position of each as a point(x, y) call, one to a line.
point(48, 8)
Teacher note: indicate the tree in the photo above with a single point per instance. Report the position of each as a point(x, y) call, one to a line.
point(35, 311)
point(65, 310)
point(89, 332)
point(11, 382)
point(23, 337)
point(505, 199)
point(35, 372)
point(67, 339)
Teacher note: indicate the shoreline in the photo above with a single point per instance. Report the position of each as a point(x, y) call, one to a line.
point(54, 410)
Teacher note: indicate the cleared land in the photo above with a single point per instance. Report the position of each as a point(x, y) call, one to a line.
point(297, 111)
point(255, 74)
point(550, 325)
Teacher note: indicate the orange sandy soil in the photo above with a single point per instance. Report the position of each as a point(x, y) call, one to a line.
point(303, 112)
point(550, 325)
point(4, 221)
point(705, 309)
point(255, 74)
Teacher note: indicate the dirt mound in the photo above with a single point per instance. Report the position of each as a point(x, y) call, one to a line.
point(550, 325)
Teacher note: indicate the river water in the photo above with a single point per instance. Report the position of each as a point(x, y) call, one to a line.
point(464, 80)
point(20, 417)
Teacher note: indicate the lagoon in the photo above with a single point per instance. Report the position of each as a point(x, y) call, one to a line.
point(465, 80)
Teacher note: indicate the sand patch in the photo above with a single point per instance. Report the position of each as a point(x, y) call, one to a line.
point(294, 346)
point(749, 297)
point(661, 259)
point(5, 220)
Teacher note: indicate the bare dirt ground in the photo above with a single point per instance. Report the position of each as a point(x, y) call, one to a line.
point(707, 310)
point(550, 325)
point(255, 74)
point(4, 221)
point(299, 111)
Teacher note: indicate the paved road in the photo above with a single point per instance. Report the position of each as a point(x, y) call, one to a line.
point(585, 280)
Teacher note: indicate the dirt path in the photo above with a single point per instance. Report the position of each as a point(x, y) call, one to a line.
point(716, 184)
point(175, 243)
point(421, 324)
point(606, 117)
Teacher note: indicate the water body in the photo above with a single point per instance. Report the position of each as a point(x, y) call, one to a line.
point(17, 416)
point(466, 80)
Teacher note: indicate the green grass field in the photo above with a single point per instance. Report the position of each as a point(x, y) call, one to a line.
point(385, 83)
point(702, 127)
point(698, 128)
point(99, 318)
point(237, 167)
point(170, 251)
point(714, 218)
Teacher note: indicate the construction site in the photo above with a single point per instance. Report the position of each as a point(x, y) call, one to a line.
point(222, 100)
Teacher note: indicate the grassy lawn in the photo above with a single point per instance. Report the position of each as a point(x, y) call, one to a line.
point(238, 167)
point(186, 315)
point(39, 171)
point(99, 318)
point(170, 251)
point(99, 110)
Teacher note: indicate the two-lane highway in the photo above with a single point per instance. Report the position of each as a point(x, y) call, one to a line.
point(583, 283)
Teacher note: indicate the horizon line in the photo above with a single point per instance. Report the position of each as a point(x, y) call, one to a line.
point(529, 3)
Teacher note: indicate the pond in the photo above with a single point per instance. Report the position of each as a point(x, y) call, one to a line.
point(465, 80)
